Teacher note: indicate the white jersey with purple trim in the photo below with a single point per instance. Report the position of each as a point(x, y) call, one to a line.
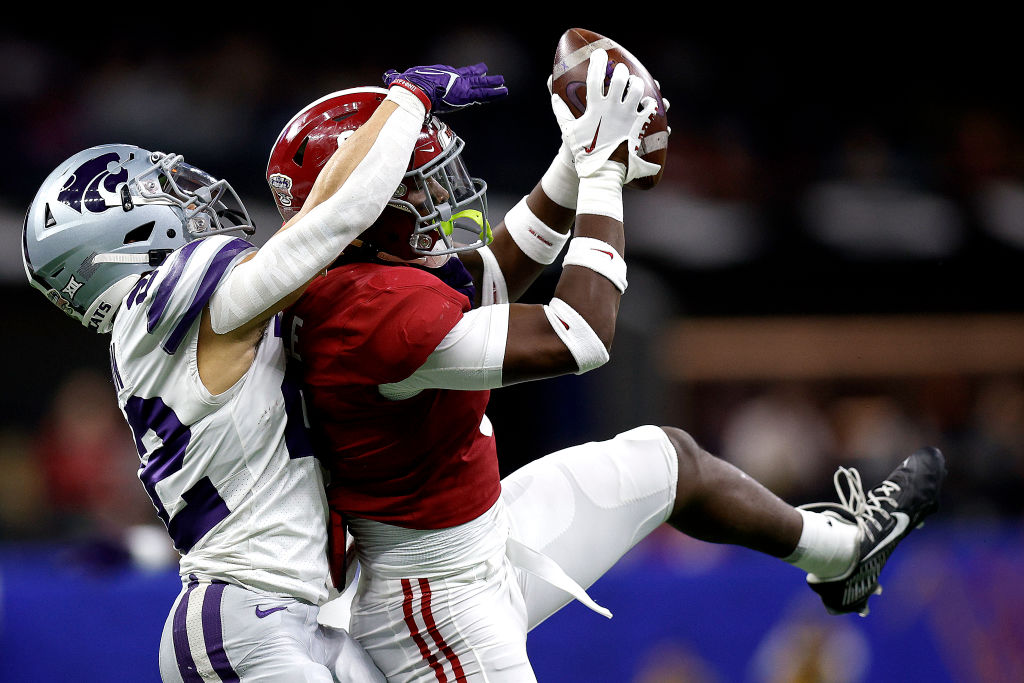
point(232, 475)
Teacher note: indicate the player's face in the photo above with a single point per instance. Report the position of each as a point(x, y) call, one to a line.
point(417, 196)
point(447, 205)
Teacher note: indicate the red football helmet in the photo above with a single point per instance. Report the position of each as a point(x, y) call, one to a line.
point(437, 209)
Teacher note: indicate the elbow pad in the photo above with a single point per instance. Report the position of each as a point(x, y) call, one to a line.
point(577, 335)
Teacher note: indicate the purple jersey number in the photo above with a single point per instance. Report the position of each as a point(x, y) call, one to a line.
point(204, 508)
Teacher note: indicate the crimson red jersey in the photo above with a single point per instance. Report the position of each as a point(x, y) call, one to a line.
point(422, 462)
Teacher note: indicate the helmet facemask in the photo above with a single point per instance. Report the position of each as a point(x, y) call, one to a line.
point(449, 206)
point(208, 206)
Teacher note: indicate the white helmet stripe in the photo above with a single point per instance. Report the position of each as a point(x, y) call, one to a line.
point(121, 258)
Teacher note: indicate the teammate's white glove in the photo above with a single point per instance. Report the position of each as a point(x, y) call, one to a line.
point(610, 119)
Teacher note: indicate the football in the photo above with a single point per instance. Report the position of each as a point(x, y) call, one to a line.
point(569, 81)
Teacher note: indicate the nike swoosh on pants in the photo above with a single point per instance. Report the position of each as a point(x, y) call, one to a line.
point(261, 613)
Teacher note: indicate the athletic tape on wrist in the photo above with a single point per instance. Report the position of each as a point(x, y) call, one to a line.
point(601, 192)
point(406, 94)
point(577, 335)
point(560, 182)
point(600, 257)
point(532, 236)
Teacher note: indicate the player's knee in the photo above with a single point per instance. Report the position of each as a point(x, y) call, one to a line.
point(687, 451)
point(693, 463)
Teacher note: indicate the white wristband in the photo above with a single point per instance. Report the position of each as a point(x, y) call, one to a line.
point(532, 236)
point(577, 335)
point(601, 191)
point(600, 257)
point(560, 182)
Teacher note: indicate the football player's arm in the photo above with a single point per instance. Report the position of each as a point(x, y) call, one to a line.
point(503, 344)
point(530, 236)
point(346, 198)
point(603, 143)
point(574, 331)
point(349, 193)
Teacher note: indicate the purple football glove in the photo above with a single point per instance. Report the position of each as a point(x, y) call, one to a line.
point(450, 88)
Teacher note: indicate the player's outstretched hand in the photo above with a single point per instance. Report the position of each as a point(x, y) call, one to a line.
point(610, 119)
point(450, 88)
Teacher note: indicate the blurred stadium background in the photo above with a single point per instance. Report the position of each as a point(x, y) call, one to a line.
point(828, 274)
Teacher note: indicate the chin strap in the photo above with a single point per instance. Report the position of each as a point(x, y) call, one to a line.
point(153, 257)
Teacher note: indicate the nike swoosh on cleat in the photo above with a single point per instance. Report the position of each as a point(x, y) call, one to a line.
point(261, 613)
point(593, 143)
point(902, 522)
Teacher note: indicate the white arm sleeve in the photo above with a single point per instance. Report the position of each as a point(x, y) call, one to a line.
point(468, 358)
point(471, 355)
point(294, 256)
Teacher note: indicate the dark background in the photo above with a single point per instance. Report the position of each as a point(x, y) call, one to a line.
point(919, 131)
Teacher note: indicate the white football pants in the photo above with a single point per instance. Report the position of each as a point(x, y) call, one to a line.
point(584, 507)
point(222, 632)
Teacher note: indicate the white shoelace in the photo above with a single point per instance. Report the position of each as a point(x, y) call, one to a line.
point(865, 507)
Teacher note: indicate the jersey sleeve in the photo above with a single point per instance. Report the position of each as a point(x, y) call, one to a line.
point(384, 334)
point(469, 358)
point(153, 353)
point(179, 290)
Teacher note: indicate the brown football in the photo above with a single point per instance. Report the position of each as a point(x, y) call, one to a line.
point(569, 81)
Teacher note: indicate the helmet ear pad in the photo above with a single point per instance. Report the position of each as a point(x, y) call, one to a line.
point(390, 233)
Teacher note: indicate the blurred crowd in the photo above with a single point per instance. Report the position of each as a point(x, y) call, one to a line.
point(806, 176)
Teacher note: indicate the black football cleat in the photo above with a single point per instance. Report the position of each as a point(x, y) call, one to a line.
point(884, 517)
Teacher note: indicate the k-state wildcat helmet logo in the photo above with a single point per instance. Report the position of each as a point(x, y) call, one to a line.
point(83, 187)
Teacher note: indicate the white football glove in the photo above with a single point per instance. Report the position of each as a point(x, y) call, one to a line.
point(610, 119)
point(564, 154)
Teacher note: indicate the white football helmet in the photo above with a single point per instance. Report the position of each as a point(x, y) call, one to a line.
point(111, 213)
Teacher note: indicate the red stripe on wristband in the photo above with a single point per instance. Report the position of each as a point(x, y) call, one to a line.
point(414, 89)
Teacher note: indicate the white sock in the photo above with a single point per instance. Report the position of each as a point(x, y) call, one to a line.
point(827, 546)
